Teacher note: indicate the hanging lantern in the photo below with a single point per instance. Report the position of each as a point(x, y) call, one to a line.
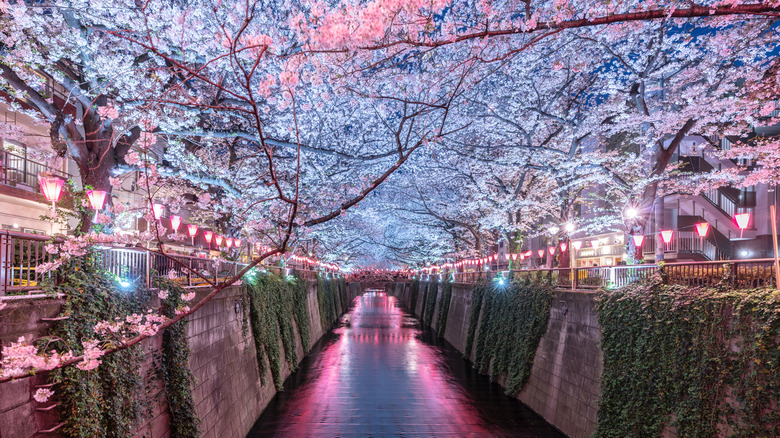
point(96, 199)
point(563, 246)
point(577, 244)
point(514, 256)
point(528, 253)
point(742, 221)
point(192, 230)
point(551, 250)
point(666, 235)
point(52, 190)
point(702, 228)
point(595, 243)
point(541, 253)
point(175, 222)
point(507, 255)
point(157, 209)
point(218, 240)
point(522, 257)
point(229, 242)
point(638, 240)
point(237, 243)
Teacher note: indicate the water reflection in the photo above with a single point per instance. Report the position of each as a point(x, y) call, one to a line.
point(378, 375)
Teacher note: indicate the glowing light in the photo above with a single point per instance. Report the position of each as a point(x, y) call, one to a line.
point(96, 198)
point(563, 246)
point(551, 250)
point(569, 227)
point(541, 253)
point(595, 243)
point(742, 221)
point(632, 213)
point(702, 228)
point(208, 235)
point(192, 230)
point(51, 188)
point(175, 222)
point(157, 209)
point(229, 242)
point(508, 256)
point(577, 244)
point(638, 240)
point(514, 256)
point(237, 243)
point(554, 229)
point(666, 235)
point(218, 240)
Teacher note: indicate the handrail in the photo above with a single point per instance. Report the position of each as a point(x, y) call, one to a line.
point(738, 273)
point(21, 253)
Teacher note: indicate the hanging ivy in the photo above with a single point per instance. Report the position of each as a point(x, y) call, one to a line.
point(342, 285)
point(110, 400)
point(476, 307)
point(271, 311)
point(301, 312)
point(430, 302)
point(704, 360)
point(444, 308)
point(175, 369)
point(326, 298)
point(514, 319)
point(414, 290)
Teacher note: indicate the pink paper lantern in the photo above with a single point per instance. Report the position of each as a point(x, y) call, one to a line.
point(157, 209)
point(218, 240)
point(51, 188)
point(175, 222)
point(551, 250)
point(577, 244)
point(638, 240)
point(563, 246)
point(702, 228)
point(666, 235)
point(192, 230)
point(96, 198)
point(541, 253)
point(229, 242)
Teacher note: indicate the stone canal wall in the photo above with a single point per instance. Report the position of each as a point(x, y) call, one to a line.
point(227, 392)
point(564, 383)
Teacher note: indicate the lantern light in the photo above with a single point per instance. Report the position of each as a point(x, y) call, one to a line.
point(192, 230)
point(541, 253)
point(631, 213)
point(595, 243)
point(522, 257)
point(569, 227)
point(577, 244)
point(563, 246)
point(52, 190)
point(638, 240)
point(528, 253)
point(551, 250)
point(237, 243)
point(742, 221)
point(666, 235)
point(175, 222)
point(514, 256)
point(229, 242)
point(157, 209)
point(702, 228)
point(507, 255)
point(218, 240)
point(96, 199)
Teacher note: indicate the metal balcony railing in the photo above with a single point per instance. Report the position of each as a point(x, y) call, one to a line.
point(16, 170)
point(21, 253)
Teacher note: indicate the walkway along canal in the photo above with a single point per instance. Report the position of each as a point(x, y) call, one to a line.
point(378, 374)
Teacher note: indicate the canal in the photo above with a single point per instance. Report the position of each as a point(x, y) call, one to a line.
point(379, 375)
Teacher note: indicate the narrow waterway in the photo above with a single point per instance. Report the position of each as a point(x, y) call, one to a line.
point(379, 375)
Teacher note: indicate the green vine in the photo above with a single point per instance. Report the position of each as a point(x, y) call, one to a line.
point(271, 312)
point(430, 301)
point(176, 373)
point(109, 400)
point(343, 291)
point(301, 313)
point(414, 291)
point(444, 308)
point(514, 319)
point(703, 360)
point(327, 301)
point(476, 307)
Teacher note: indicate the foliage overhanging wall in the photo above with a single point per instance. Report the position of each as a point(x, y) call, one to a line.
point(514, 319)
point(444, 308)
point(273, 304)
point(705, 359)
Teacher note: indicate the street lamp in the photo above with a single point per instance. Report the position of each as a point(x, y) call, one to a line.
point(96, 199)
point(175, 223)
point(51, 188)
point(208, 235)
point(192, 230)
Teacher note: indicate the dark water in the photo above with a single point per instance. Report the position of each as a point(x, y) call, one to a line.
point(379, 375)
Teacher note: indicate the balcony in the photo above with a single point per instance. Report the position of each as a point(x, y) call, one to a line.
point(22, 173)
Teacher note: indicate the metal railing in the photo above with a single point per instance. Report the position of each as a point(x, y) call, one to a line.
point(21, 253)
point(17, 170)
point(737, 274)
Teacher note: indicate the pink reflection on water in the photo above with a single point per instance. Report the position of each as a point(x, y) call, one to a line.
point(377, 378)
